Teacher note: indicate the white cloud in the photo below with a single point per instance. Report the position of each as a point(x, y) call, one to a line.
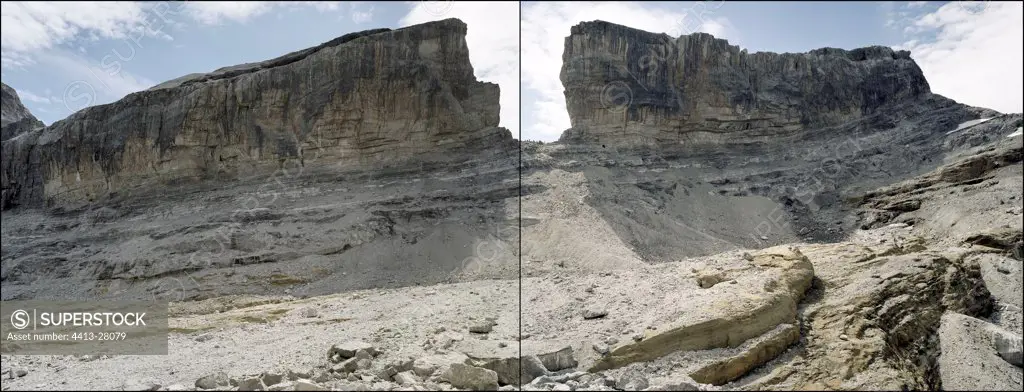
point(218, 12)
point(215, 12)
point(90, 83)
point(493, 41)
point(972, 53)
point(360, 16)
point(32, 27)
point(546, 24)
point(26, 95)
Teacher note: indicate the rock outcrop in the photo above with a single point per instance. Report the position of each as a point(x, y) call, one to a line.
point(373, 160)
point(15, 119)
point(691, 164)
point(625, 86)
point(362, 101)
point(692, 140)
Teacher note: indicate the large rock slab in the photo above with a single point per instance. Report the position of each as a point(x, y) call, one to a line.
point(487, 354)
point(1003, 277)
point(437, 364)
point(554, 355)
point(728, 322)
point(471, 377)
point(969, 360)
point(755, 354)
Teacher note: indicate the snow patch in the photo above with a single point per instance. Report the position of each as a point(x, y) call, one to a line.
point(1016, 133)
point(968, 124)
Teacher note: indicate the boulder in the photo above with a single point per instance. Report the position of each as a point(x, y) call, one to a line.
point(251, 384)
point(471, 377)
point(212, 381)
point(348, 349)
point(437, 364)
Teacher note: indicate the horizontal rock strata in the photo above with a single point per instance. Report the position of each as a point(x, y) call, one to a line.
point(365, 100)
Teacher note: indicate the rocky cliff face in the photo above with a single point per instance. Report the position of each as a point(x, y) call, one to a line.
point(630, 87)
point(692, 140)
point(717, 220)
point(364, 100)
point(16, 119)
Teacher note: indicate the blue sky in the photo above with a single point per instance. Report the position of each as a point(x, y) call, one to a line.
point(64, 56)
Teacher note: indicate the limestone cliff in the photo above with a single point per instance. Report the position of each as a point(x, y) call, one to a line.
point(365, 100)
point(625, 86)
point(16, 119)
point(693, 141)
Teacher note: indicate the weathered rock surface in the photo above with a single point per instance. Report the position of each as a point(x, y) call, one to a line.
point(349, 349)
point(761, 351)
point(627, 86)
point(922, 229)
point(371, 161)
point(15, 118)
point(969, 361)
point(366, 100)
point(905, 205)
point(471, 377)
point(702, 143)
point(725, 322)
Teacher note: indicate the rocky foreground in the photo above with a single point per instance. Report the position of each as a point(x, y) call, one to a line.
point(929, 298)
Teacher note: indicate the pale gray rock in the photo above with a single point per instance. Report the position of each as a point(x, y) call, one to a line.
point(293, 375)
point(271, 378)
point(306, 385)
point(141, 386)
point(632, 381)
point(594, 312)
point(348, 349)
point(406, 378)
point(471, 377)
point(346, 366)
point(251, 384)
point(436, 364)
point(675, 382)
point(212, 381)
point(531, 367)
point(484, 326)
point(1009, 347)
point(969, 360)
point(283, 386)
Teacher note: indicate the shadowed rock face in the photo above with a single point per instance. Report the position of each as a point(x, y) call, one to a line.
point(362, 101)
point(630, 87)
point(16, 118)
